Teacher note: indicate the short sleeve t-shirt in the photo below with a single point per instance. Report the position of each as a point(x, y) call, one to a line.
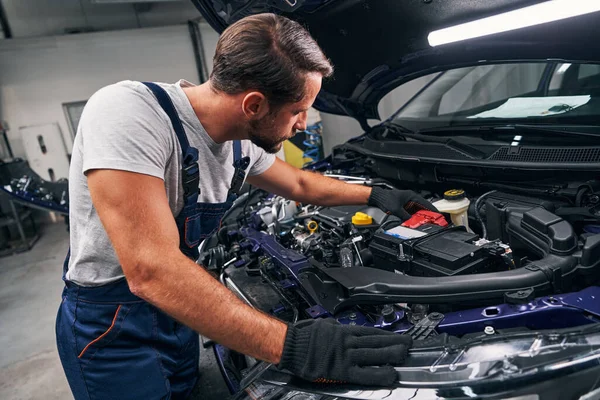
point(123, 127)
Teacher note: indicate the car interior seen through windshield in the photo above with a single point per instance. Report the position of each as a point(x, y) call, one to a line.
point(536, 92)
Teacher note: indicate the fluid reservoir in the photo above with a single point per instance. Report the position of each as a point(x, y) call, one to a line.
point(456, 204)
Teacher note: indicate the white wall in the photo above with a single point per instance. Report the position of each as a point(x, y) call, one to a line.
point(38, 75)
point(209, 42)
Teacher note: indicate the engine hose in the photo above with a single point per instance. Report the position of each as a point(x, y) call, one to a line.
point(312, 143)
point(478, 214)
point(579, 197)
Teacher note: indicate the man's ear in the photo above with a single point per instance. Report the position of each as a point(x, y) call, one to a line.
point(255, 105)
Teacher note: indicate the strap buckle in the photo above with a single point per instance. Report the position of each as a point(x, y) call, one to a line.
point(190, 173)
point(238, 175)
point(242, 163)
point(190, 180)
point(237, 181)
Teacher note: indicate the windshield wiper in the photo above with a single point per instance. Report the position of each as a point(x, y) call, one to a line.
point(396, 126)
point(401, 132)
point(589, 131)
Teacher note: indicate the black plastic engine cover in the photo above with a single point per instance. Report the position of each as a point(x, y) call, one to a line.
point(542, 232)
point(499, 205)
point(441, 253)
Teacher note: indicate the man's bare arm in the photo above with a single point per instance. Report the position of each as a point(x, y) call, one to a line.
point(309, 187)
point(135, 212)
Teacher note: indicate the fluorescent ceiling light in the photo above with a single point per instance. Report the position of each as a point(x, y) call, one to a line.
point(129, 1)
point(563, 68)
point(542, 13)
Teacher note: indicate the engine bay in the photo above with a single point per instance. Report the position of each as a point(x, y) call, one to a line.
point(358, 236)
point(510, 267)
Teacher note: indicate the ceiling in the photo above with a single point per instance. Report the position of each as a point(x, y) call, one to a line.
point(31, 18)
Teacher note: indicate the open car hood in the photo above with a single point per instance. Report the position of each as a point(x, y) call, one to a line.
point(376, 45)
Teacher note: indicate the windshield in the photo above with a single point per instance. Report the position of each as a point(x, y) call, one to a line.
point(500, 93)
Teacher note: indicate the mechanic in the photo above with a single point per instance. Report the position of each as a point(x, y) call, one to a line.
point(154, 168)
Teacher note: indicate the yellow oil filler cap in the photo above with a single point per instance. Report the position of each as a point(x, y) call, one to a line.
point(361, 218)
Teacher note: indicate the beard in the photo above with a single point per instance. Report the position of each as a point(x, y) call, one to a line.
point(263, 134)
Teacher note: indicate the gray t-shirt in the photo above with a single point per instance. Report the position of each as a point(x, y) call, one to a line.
point(123, 127)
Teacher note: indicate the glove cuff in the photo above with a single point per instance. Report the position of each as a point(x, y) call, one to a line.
point(295, 349)
point(376, 198)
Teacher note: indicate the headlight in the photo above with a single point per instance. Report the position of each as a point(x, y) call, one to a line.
point(264, 391)
point(523, 366)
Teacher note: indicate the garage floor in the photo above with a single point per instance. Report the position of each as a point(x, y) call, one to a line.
point(30, 292)
point(30, 288)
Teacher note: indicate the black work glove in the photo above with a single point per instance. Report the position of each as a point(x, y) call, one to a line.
point(401, 203)
point(326, 351)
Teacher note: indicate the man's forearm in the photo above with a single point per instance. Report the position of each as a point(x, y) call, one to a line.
point(188, 293)
point(320, 190)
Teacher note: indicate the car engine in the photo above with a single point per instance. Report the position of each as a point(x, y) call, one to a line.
point(356, 236)
point(425, 275)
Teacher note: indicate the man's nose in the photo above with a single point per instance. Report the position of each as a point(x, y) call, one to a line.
point(301, 122)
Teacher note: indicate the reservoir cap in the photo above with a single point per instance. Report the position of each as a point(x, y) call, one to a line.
point(361, 218)
point(454, 194)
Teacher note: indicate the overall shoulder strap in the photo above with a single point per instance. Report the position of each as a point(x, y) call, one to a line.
point(167, 105)
point(190, 174)
point(237, 151)
point(239, 164)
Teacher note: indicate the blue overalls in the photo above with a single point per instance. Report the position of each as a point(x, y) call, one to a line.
point(114, 345)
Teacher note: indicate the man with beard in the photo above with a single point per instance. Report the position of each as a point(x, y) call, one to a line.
point(154, 168)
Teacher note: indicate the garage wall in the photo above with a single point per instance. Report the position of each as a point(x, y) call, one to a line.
point(38, 75)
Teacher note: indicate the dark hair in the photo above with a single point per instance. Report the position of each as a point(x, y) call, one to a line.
point(268, 53)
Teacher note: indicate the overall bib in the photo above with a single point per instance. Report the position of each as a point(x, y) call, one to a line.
point(114, 345)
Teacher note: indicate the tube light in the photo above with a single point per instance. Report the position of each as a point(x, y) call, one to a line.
point(563, 68)
point(542, 13)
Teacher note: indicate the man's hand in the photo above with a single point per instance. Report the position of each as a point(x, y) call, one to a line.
point(327, 352)
point(401, 203)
